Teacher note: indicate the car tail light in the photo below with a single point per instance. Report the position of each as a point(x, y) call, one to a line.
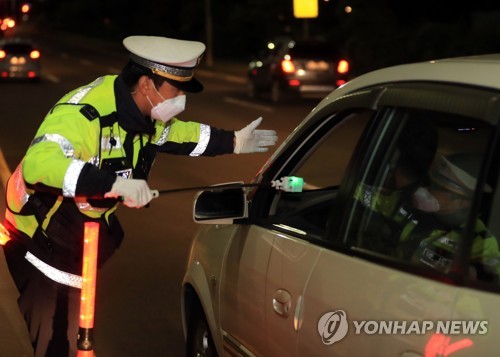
point(2, 54)
point(5, 74)
point(35, 54)
point(343, 66)
point(31, 74)
point(294, 83)
point(287, 66)
point(340, 82)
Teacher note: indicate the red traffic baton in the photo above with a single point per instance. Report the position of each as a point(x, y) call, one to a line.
point(85, 339)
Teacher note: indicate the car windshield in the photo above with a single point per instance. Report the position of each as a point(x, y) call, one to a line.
point(17, 48)
point(313, 50)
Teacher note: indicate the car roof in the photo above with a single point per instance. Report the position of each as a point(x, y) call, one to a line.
point(16, 40)
point(476, 71)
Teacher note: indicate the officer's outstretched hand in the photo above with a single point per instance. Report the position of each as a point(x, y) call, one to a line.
point(249, 139)
point(135, 193)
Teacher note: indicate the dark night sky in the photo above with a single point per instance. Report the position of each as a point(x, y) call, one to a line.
point(377, 33)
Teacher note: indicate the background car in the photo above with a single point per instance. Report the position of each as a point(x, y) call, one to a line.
point(290, 69)
point(20, 59)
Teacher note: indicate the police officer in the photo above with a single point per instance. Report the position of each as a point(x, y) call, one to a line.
point(432, 239)
point(95, 147)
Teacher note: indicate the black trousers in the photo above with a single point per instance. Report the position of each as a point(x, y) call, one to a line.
point(50, 309)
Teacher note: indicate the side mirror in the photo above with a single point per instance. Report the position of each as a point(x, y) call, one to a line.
point(220, 205)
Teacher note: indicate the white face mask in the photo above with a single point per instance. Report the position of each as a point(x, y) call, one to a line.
point(167, 109)
point(425, 201)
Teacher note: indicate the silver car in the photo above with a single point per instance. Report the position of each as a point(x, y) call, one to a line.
point(370, 232)
point(20, 59)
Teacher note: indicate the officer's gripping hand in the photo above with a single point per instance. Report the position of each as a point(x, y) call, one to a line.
point(249, 139)
point(135, 193)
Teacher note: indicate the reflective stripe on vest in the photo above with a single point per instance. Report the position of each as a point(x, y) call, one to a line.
point(203, 141)
point(54, 274)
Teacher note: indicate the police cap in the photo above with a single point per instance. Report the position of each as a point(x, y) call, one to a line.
point(174, 60)
point(458, 173)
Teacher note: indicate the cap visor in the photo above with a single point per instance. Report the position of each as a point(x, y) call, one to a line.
point(192, 86)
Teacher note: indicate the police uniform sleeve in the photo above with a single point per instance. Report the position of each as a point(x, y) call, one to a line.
point(194, 139)
point(57, 160)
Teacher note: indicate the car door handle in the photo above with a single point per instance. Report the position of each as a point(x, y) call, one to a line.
point(282, 302)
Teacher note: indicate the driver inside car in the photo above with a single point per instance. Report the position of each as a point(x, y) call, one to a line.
point(433, 238)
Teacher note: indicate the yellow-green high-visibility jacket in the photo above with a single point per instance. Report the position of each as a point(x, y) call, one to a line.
point(437, 247)
point(91, 135)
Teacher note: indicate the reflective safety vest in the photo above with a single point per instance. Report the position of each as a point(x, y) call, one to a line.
point(80, 144)
point(419, 237)
point(437, 248)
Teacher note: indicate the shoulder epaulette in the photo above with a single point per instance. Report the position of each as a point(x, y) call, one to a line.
point(89, 112)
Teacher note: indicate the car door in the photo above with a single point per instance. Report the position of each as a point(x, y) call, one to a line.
point(370, 285)
point(476, 306)
point(267, 264)
point(307, 280)
point(297, 221)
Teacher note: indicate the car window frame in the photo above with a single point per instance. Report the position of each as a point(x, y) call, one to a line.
point(309, 146)
point(330, 115)
point(479, 103)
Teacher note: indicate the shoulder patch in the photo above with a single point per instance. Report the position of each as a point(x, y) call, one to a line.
point(89, 112)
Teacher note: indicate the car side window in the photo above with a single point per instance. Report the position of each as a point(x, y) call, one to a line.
point(321, 163)
point(489, 267)
point(414, 198)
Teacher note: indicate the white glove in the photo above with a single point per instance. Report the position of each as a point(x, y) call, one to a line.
point(250, 140)
point(135, 193)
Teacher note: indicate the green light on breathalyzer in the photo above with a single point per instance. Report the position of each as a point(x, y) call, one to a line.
point(295, 184)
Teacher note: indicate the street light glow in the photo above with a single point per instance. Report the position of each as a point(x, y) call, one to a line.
point(305, 9)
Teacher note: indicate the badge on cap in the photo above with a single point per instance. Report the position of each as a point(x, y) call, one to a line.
point(172, 59)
